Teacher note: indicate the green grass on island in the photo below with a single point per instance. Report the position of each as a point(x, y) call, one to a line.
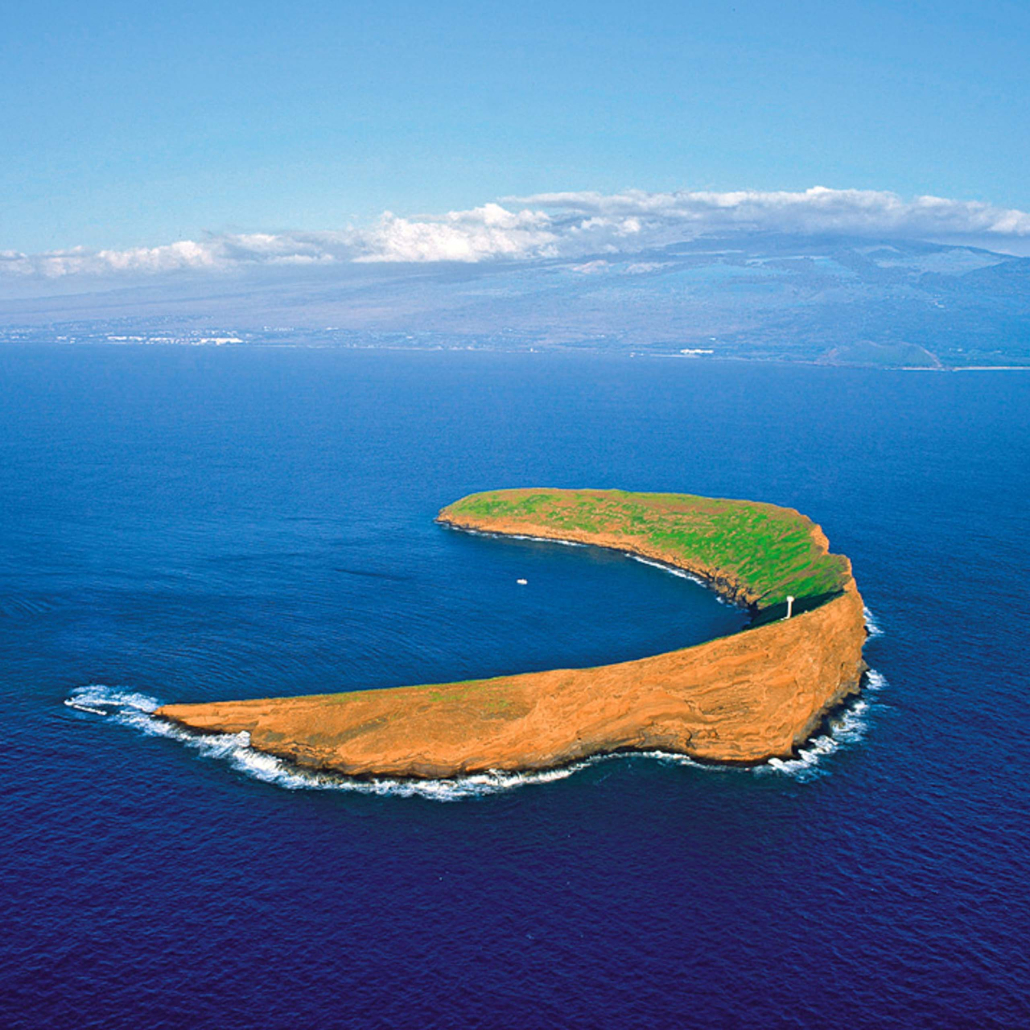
point(767, 550)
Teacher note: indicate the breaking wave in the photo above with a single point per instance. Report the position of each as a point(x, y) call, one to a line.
point(846, 727)
point(135, 710)
point(872, 627)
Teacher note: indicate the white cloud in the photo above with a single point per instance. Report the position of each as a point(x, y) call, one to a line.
point(485, 232)
point(816, 210)
point(547, 225)
point(215, 253)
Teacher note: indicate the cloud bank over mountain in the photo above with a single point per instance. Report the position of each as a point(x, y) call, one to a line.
point(551, 225)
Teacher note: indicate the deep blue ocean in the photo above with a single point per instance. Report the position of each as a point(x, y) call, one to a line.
point(195, 523)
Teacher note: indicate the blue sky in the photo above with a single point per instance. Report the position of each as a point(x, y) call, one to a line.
point(128, 124)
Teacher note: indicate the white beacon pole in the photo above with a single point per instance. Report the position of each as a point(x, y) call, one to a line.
point(790, 605)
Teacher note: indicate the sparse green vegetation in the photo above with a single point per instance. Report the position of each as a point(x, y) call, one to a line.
point(765, 551)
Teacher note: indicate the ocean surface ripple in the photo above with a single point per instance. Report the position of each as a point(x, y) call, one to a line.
point(184, 524)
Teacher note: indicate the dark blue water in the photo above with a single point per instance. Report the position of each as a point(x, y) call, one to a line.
point(182, 525)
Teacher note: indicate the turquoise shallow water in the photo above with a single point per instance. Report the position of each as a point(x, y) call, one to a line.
point(190, 524)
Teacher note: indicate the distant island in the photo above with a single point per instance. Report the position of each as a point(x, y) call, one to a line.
point(743, 698)
point(827, 299)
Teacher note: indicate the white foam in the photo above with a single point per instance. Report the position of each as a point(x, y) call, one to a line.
point(873, 628)
point(875, 680)
point(846, 728)
point(135, 710)
point(269, 769)
point(516, 536)
point(671, 569)
point(537, 539)
point(98, 699)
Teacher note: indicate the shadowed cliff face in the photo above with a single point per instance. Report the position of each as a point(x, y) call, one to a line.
point(743, 698)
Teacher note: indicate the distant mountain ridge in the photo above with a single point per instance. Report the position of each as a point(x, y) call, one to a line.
point(828, 299)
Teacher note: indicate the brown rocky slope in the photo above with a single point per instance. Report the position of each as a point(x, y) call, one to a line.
point(742, 698)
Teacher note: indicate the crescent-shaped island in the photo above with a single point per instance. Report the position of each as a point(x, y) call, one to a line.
point(743, 698)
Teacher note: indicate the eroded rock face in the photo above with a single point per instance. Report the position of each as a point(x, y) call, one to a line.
point(743, 698)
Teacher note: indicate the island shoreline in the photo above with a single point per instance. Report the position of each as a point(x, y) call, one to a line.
point(701, 578)
point(741, 699)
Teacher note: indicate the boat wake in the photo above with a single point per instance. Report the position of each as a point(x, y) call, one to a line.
point(135, 710)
